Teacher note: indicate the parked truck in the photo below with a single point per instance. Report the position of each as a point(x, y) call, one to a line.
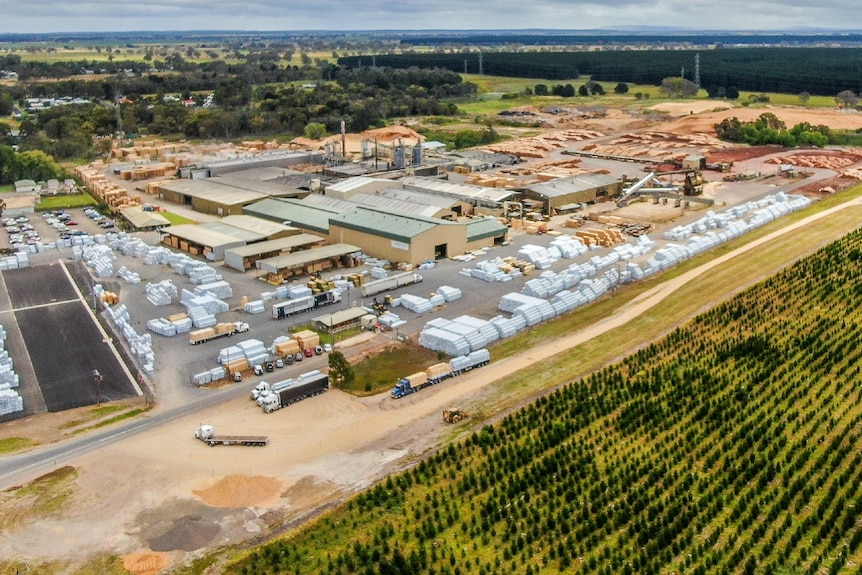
point(288, 307)
point(206, 433)
point(218, 330)
point(290, 391)
point(440, 371)
point(388, 283)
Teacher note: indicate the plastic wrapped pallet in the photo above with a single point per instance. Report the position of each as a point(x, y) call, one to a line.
point(416, 304)
point(255, 307)
point(449, 293)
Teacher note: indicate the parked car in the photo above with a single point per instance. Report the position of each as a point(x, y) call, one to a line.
point(327, 347)
point(309, 352)
point(279, 363)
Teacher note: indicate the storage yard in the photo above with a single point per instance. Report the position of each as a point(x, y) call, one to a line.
point(463, 304)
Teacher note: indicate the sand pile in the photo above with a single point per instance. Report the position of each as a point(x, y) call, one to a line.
point(145, 563)
point(240, 491)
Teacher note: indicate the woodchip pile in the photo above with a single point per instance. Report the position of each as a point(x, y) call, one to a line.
point(540, 146)
point(823, 160)
point(657, 145)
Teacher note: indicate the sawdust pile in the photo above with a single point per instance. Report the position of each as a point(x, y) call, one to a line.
point(240, 491)
point(145, 563)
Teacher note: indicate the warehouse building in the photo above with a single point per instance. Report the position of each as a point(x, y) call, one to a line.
point(212, 239)
point(476, 196)
point(219, 196)
point(244, 258)
point(567, 194)
point(413, 239)
point(395, 200)
point(141, 219)
point(269, 158)
point(348, 187)
point(278, 270)
point(295, 213)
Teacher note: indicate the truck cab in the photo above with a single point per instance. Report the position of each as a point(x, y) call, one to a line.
point(401, 389)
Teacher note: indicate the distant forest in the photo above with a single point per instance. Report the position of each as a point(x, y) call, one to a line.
point(818, 71)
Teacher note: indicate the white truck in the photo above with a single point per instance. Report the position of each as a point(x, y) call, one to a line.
point(218, 330)
point(206, 433)
point(388, 283)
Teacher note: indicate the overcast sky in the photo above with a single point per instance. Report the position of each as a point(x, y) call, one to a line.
point(289, 15)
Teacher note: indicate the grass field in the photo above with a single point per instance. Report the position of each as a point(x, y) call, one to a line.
point(176, 219)
point(64, 202)
point(380, 373)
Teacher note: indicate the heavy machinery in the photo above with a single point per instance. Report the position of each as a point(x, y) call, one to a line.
point(206, 433)
point(219, 330)
point(454, 415)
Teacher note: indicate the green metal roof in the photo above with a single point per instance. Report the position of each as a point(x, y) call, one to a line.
point(399, 227)
point(478, 229)
point(299, 214)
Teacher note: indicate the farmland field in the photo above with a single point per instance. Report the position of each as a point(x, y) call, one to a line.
point(729, 446)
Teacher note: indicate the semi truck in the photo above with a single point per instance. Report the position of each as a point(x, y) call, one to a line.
point(288, 307)
point(218, 330)
point(438, 372)
point(414, 382)
point(290, 391)
point(388, 283)
point(206, 433)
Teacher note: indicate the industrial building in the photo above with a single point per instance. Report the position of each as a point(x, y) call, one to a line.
point(221, 196)
point(212, 239)
point(294, 213)
point(280, 269)
point(244, 258)
point(269, 158)
point(567, 194)
point(413, 239)
point(141, 219)
point(477, 196)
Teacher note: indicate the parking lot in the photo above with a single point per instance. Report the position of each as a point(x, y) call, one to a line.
point(50, 227)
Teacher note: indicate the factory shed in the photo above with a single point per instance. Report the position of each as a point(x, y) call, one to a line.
point(269, 230)
point(347, 188)
point(306, 262)
point(244, 258)
point(269, 158)
point(582, 189)
point(400, 237)
point(294, 213)
point(477, 196)
point(207, 196)
point(199, 240)
point(143, 220)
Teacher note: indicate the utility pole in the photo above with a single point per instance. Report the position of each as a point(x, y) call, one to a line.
point(97, 380)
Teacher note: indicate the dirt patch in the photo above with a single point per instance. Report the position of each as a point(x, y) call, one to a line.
point(741, 154)
point(241, 491)
point(693, 107)
point(187, 534)
point(145, 563)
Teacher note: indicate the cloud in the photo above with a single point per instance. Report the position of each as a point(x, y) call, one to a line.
point(128, 15)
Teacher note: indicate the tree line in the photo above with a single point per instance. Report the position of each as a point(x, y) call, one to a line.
point(363, 99)
point(818, 71)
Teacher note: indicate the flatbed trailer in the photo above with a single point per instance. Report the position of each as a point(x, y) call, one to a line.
point(207, 434)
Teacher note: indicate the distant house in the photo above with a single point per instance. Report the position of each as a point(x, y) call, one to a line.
point(27, 187)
